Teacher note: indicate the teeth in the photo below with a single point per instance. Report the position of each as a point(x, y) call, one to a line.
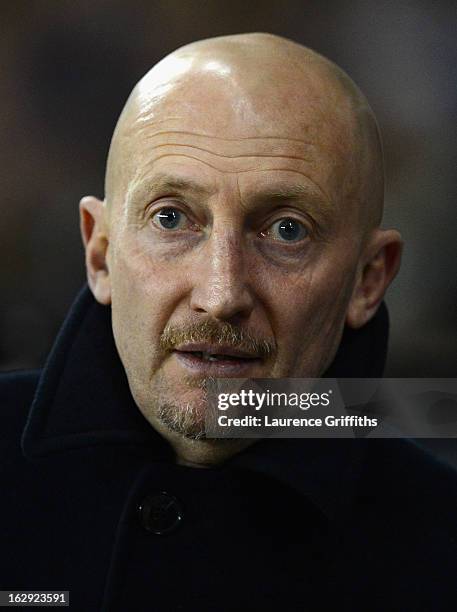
point(210, 357)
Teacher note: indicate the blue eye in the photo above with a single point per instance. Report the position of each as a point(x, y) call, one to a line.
point(288, 230)
point(169, 218)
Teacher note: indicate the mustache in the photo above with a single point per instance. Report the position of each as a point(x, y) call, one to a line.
point(222, 333)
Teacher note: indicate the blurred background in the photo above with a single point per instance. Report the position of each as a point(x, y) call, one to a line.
point(68, 68)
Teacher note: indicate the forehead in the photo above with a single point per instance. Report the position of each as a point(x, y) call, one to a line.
point(216, 128)
point(243, 104)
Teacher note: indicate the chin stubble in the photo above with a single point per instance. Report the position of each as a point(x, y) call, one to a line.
point(187, 420)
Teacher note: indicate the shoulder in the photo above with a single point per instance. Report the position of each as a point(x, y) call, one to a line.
point(400, 533)
point(18, 386)
point(17, 390)
point(403, 489)
point(405, 465)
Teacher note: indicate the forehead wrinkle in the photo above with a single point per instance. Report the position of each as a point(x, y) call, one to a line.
point(222, 138)
point(231, 156)
point(261, 146)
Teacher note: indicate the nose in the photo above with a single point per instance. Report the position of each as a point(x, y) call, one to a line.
point(221, 289)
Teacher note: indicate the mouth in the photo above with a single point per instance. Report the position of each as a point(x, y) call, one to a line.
point(216, 360)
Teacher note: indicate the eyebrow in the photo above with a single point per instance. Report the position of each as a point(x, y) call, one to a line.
point(293, 191)
point(310, 198)
point(166, 183)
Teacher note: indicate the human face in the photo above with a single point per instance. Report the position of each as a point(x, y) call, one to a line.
point(227, 240)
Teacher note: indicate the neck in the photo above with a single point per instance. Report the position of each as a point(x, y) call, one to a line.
point(205, 453)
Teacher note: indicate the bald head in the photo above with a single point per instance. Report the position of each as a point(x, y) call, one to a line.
point(256, 86)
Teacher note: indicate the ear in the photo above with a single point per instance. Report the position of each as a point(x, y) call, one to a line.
point(95, 239)
point(380, 264)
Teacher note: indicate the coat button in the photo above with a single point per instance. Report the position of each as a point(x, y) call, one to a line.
point(160, 513)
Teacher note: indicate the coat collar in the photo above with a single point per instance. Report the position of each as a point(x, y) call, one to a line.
point(83, 400)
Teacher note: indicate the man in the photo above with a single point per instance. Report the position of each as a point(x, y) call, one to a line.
point(239, 236)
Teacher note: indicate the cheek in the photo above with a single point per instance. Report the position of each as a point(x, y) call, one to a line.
point(309, 311)
point(144, 295)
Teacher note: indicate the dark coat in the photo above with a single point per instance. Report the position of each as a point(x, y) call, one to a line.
point(286, 525)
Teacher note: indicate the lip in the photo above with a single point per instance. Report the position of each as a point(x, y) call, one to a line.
point(215, 349)
point(233, 368)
